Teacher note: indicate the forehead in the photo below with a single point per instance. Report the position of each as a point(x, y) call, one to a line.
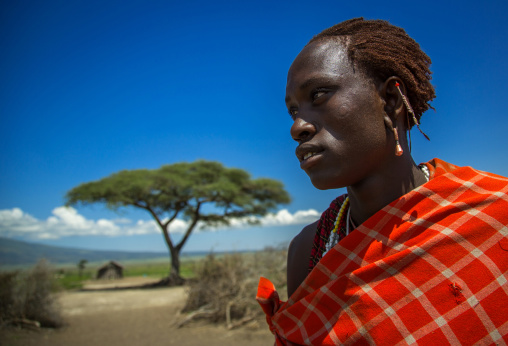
point(324, 57)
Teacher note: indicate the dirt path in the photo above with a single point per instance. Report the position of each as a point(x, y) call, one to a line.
point(132, 317)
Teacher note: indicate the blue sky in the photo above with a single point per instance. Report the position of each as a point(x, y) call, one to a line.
point(93, 87)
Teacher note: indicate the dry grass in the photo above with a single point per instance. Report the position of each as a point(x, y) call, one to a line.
point(225, 287)
point(27, 299)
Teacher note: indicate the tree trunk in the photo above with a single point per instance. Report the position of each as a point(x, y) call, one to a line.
point(174, 278)
point(174, 272)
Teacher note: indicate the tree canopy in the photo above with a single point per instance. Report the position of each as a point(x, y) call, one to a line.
point(182, 190)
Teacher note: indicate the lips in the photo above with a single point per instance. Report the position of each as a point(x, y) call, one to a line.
point(307, 151)
point(306, 156)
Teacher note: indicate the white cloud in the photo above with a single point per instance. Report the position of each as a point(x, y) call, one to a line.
point(284, 217)
point(66, 221)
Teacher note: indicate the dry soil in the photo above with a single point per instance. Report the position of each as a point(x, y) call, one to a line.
point(123, 317)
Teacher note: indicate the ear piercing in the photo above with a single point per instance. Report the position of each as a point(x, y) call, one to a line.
point(410, 109)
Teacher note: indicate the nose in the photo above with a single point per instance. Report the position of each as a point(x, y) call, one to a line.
point(302, 130)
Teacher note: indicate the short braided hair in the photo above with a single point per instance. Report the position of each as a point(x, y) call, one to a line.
point(382, 50)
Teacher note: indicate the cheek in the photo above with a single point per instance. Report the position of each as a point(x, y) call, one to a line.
point(360, 137)
point(355, 121)
point(370, 122)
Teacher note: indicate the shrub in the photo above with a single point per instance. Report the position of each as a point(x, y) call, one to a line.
point(8, 305)
point(225, 287)
point(29, 297)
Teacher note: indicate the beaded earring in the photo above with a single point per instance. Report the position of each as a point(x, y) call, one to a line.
point(398, 148)
point(410, 110)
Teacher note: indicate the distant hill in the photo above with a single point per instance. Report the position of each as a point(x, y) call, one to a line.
point(14, 252)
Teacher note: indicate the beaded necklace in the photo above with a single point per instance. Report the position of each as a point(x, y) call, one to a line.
point(334, 237)
point(425, 171)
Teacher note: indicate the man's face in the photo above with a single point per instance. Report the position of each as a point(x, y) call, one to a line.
point(338, 117)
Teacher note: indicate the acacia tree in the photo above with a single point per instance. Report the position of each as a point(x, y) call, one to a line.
point(201, 191)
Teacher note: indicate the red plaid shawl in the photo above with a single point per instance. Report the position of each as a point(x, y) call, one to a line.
point(429, 268)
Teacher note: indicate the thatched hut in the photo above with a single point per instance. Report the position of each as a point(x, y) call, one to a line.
point(110, 271)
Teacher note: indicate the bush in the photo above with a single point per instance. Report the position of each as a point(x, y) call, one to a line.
point(29, 297)
point(225, 288)
point(8, 305)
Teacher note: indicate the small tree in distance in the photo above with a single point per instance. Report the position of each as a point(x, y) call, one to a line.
point(81, 266)
point(184, 190)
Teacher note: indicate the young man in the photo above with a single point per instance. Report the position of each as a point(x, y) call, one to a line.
point(411, 253)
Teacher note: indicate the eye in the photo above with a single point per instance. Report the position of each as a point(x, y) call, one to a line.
point(293, 112)
point(317, 93)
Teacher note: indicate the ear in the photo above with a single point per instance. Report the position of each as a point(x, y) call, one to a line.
point(394, 105)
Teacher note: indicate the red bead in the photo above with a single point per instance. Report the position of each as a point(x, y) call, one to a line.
point(397, 84)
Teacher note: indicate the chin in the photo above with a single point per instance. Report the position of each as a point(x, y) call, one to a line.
point(325, 184)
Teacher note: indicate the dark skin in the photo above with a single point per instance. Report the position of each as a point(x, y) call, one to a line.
point(343, 123)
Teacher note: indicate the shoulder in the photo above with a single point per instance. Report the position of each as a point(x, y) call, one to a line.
point(298, 257)
point(300, 248)
point(303, 240)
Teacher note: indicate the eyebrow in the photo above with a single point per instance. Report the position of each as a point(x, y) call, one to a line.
point(311, 81)
point(315, 80)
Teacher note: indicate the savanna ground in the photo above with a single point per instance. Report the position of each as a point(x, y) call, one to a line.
point(100, 314)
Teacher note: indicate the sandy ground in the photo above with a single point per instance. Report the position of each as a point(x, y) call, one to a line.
point(131, 317)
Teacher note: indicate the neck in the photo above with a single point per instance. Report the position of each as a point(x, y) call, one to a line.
point(398, 177)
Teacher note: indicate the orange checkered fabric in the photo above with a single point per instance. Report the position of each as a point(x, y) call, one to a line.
point(429, 268)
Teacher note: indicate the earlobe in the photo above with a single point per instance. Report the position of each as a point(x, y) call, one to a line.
point(389, 125)
point(394, 109)
point(388, 122)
